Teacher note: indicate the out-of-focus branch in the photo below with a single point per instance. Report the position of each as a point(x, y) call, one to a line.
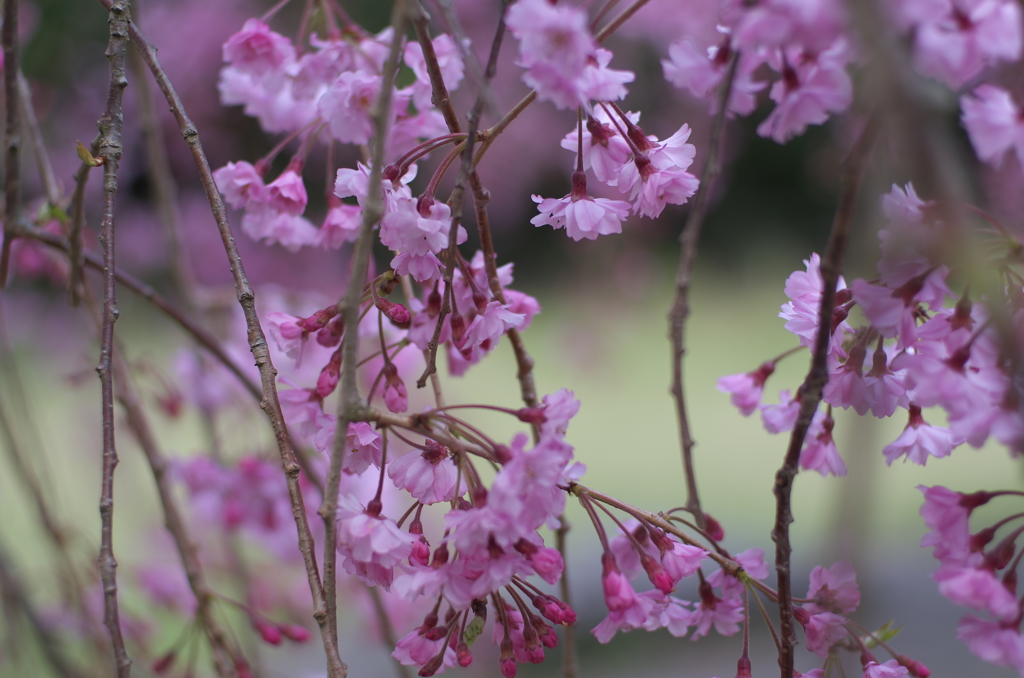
point(350, 403)
point(75, 231)
point(811, 390)
point(35, 140)
point(270, 403)
point(110, 125)
point(12, 134)
point(688, 240)
point(49, 645)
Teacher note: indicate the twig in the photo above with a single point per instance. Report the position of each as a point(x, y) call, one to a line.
point(441, 99)
point(495, 130)
point(12, 133)
point(810, 391)
point(270, 403)
point(110, 125)
point(680, 311)
point(165, 189)
point(35, 140)
point(349, 402)
point(570, 662)
point(49, 645)
point(75, 236)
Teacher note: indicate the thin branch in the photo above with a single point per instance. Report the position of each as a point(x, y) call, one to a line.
point(12, 134)
point(110, 125)
point(495, 130)
point(173, 520)
point(75, 233)
point(35, 140)
point(811, 390)
point(349, 401)
point(688, 240)
point(165, 189)
point(270, 403)
point(570, 663)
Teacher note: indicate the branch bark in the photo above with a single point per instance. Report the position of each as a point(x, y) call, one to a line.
point(270, 402)
point(811, 390)
point(350, 403)
point(110, 125)
point(12, 134)
point(688, 240)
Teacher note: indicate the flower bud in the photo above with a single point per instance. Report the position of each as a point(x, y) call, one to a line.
point(164, 663)
point(270, 633)
point(294, 632)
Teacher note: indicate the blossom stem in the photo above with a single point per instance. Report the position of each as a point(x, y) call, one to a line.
point(12, 130)
point(767, 618)
point(680, 311)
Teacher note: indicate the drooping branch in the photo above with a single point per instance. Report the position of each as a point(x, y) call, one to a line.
point(35, 141)
point(12, 134)
point(110, 125)
point(350, 403)
point(811, 390)
point(270, 402)
point(688, 241)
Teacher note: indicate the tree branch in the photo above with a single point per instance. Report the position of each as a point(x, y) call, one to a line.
point(270, 403)
point(810, 391)
point(12, 133)
point(688, 240)
point(110, 125)
point(349, 402)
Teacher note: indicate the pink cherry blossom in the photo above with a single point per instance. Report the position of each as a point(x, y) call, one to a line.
point(833, 589)
point(746, 388)
point(241, 185)
point(583, 218)
point(340, 226)
point(955, 39)
point(429, 475)
point(819, 453)
point(781, 417)
point(978, 589)
point(994, 123)
point(287, 193)
point(449, 60)
point(890, 669)
point(947, 513)
point(256, 49)
point(811, 87)
point(824, 630)
point(346, 106)
point(920, 440)
point(992, 641)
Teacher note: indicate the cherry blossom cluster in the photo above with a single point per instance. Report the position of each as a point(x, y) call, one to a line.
point(805, 47)
point(929, 348)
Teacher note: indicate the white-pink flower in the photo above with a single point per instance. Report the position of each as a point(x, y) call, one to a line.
point(994, 123)
point(428, 475)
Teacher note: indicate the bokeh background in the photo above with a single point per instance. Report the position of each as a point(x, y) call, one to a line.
point(602, 334)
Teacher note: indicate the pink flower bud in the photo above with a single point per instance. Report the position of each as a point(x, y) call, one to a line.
point(431, 667)
point(656, 573)
point(164, 663)
point(271, 634)
point(463, 654)
point(531, 415)
point(395, 396)
point(294, 632)
point(507, 659)
point(743, 668)
point(331, 335)
point(318, 320)
point(916, 668)
point(713, 528)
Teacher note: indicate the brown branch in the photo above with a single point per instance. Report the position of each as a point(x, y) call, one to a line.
point(270, 402)
point(165, 189)
point(349, 402)
point(680, 311)
point(811, 390)
point(75, 232)
point(12, 134)
point(570, 663)
point(492, 133)
point(110, 125)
